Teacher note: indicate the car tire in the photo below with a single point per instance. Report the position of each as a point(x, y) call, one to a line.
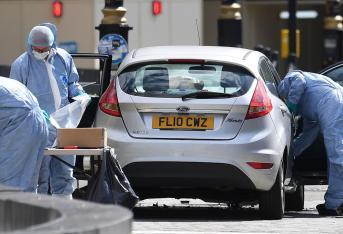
point(272, 202)
point(295, 201)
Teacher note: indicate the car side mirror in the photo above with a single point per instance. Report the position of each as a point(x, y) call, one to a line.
point(272, 88)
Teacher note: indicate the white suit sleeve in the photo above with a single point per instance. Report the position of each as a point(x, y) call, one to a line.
point(74, 88)
point(19, 70)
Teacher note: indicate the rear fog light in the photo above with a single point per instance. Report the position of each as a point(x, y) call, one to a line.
point(260, 165)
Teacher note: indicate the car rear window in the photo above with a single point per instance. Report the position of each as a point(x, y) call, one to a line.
point(174, 80)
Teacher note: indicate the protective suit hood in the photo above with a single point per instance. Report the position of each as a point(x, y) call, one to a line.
point(286, 83)
point(53, 47)
point(53, 29)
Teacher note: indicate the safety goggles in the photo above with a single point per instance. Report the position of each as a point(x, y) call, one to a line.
point(41, 49)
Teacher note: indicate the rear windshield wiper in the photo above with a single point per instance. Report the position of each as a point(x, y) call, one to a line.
point(207, 95)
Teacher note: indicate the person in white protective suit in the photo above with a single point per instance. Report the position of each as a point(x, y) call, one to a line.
point(50, 74)
point(319, 100)
point(24, 133)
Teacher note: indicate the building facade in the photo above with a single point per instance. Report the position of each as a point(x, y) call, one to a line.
point(180, 22)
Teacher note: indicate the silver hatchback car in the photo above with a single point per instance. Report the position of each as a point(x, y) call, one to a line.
point(200, 122)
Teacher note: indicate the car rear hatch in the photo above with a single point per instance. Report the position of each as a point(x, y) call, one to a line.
point(184, 100)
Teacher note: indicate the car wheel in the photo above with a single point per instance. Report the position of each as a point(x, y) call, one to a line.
point(295, 201)
point(272, 202)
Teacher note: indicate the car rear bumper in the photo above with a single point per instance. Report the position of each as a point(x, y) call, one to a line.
point(207, 181)
point(229, 157)
point(187, 175)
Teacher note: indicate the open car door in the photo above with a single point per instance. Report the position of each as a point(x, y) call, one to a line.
point(95, 74)
point(93, 80)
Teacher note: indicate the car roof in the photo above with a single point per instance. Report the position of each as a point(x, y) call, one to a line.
point(239, 56)
point(332, 66)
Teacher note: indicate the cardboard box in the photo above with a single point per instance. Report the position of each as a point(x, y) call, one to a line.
point(82, 137)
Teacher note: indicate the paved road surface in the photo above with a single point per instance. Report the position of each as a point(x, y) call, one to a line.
point(170, 216)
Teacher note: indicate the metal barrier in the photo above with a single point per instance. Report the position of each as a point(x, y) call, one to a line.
point(33, 213)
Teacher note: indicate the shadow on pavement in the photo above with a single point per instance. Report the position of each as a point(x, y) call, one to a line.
point(195, 213)
point(170, 213)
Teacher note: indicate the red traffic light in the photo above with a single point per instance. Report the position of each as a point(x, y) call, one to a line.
point(57, 8)
point(156, 7)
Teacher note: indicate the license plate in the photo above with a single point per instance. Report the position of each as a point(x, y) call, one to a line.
point(192, 122)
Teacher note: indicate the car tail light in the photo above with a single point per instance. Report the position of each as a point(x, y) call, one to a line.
point(109, 101)
point(260, 104)
point(260, 165)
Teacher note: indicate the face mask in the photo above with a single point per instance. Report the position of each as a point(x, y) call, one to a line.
point(40, 56)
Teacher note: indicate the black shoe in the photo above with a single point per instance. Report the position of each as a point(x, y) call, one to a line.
point(322, 210)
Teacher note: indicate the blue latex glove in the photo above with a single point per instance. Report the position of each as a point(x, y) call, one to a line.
point(293, 108)
point(46, 116)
